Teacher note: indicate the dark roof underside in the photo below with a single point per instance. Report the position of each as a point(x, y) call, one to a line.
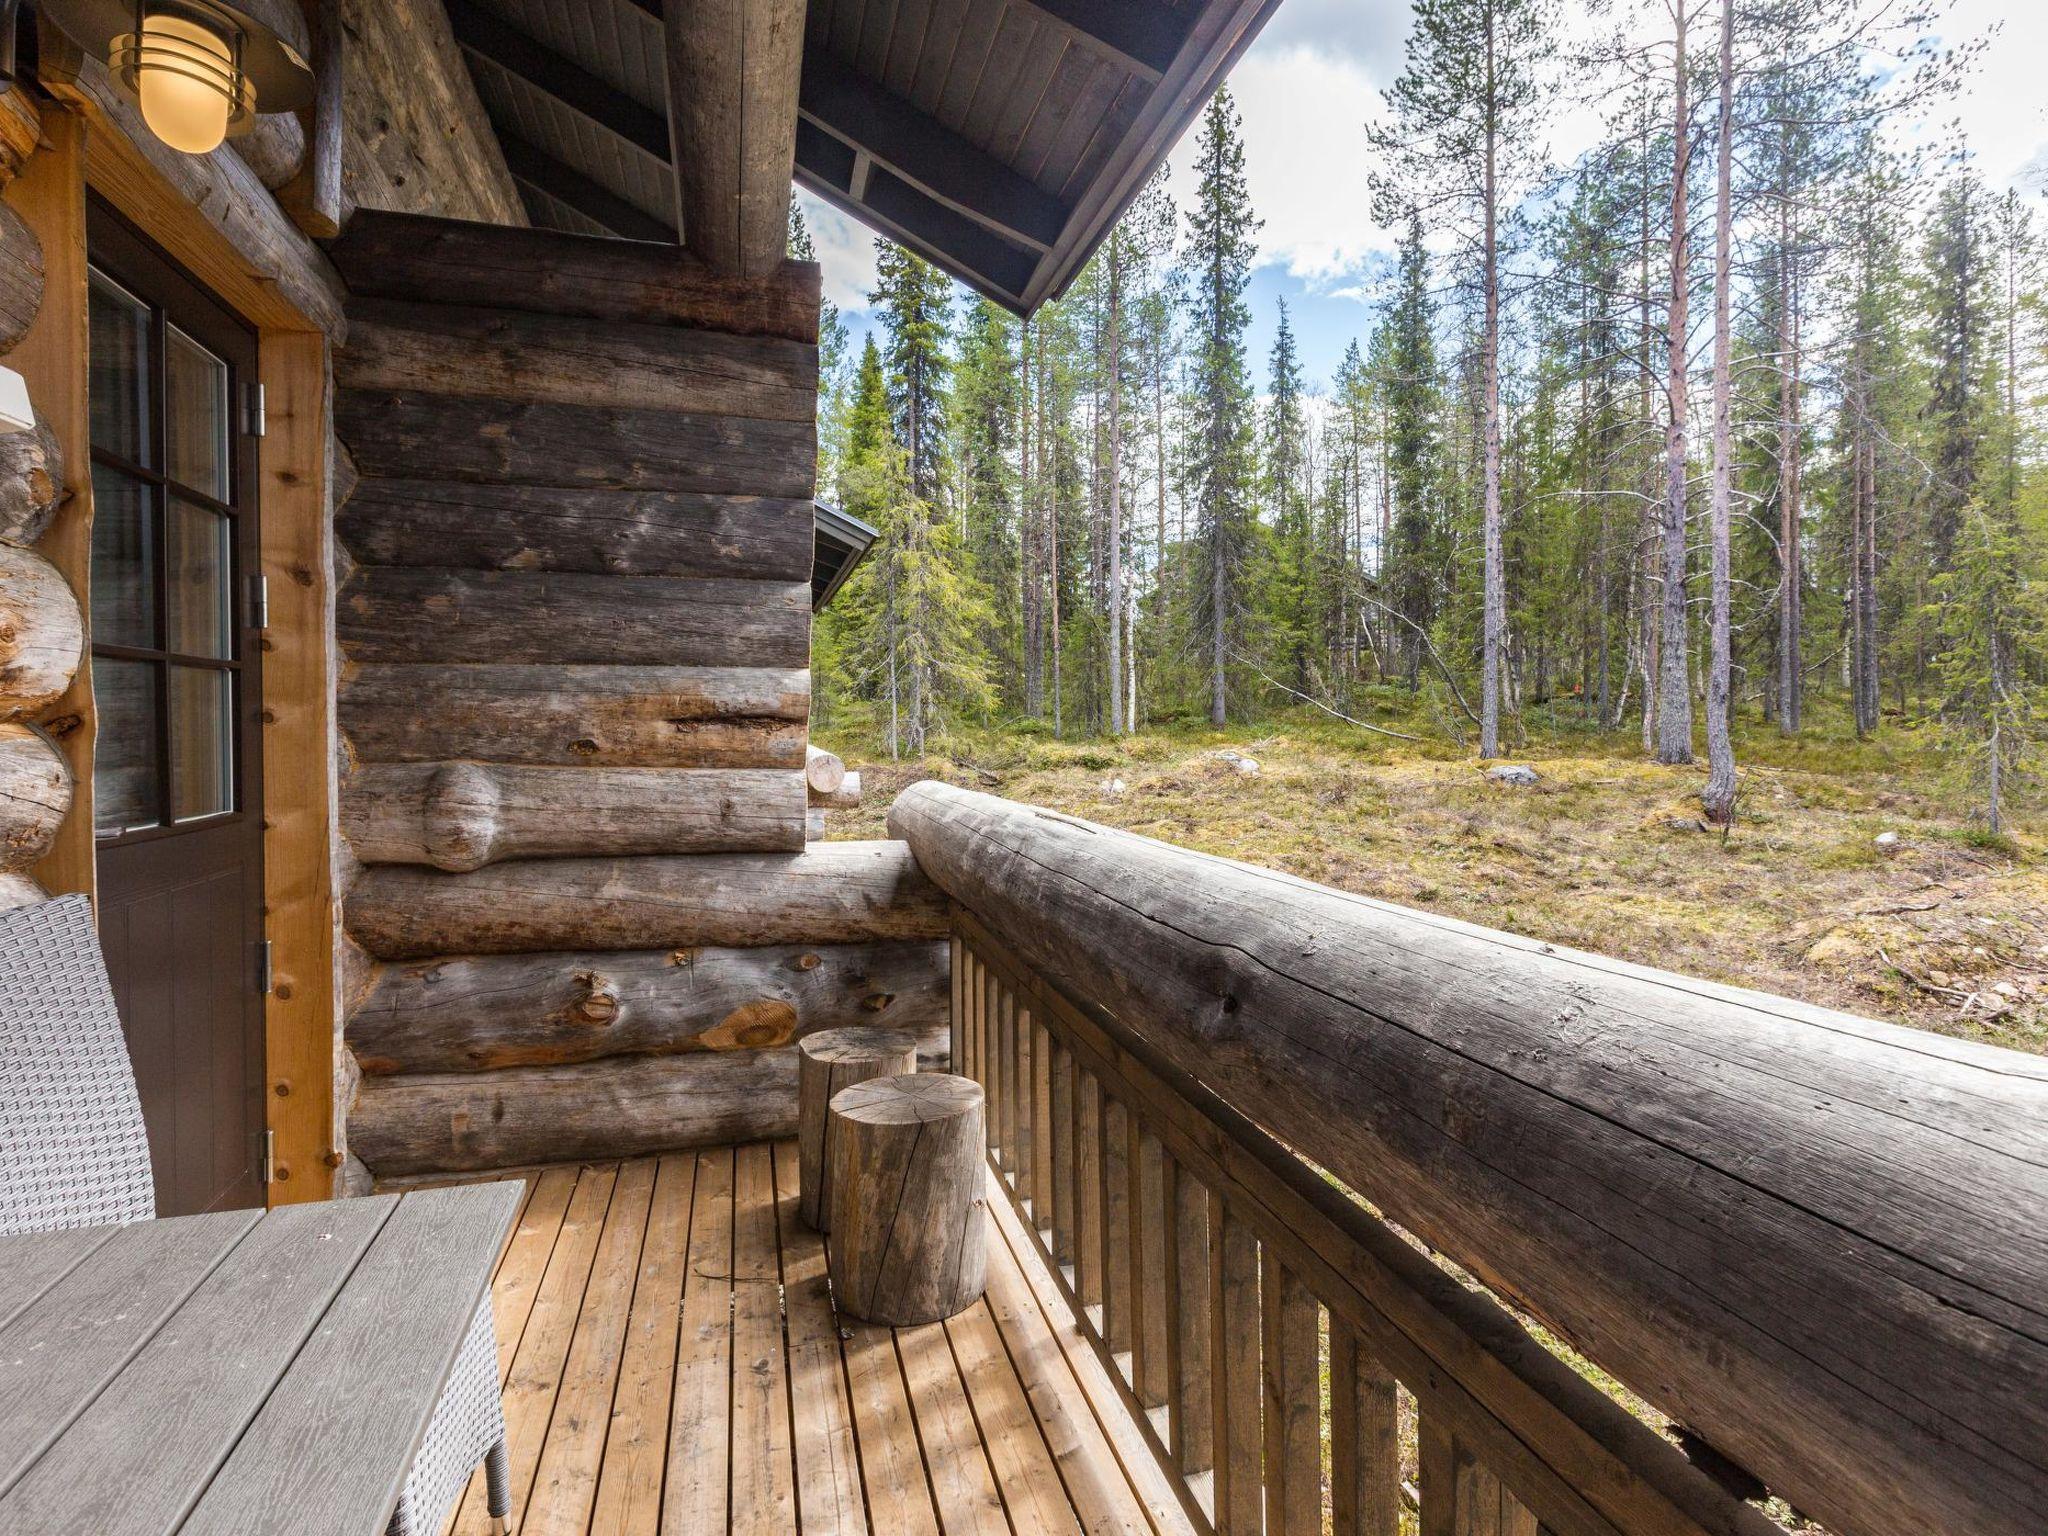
point(999, 139)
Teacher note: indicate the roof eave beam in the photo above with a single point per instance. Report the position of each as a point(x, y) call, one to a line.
point(544, 173)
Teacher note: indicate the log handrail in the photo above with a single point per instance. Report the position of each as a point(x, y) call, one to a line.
point(1877, 1263)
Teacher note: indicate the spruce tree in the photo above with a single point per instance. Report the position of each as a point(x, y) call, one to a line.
point(1220, 231)
point(1408, 361)
point(1294, 637)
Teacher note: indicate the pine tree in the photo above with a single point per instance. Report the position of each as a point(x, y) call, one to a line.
point(1220, 231)
point(1406, 354)
point(984, 413)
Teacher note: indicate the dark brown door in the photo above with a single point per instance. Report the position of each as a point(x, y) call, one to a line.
point(177, 775)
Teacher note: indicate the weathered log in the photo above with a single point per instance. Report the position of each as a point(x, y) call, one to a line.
point(626, 1106)
point(397, 432)
point(41, 633)
point(35, 794)
point(21, 130)
point(462, 816)
point(478, 1012)
point(831, 893)
point(19, 890)
point(823, 771)
point(907, 1183)
point(825, 1063)
point(390, 613)
point(449, 261)
point(21, 278)
point(557, 528)
point(845, 798)
point(814, 825)
point(511, 354)
point(1819, 1241)
point(31, 483)
point(314, 196)
point(274, 148)
point(620, 717)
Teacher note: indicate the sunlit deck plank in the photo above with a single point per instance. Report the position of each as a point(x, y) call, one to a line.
point(763, 1488)
point(892, 1467)
point(636, 1449)
point(565, 1484)
point(695, 1501)
point(1030, 1482)
point(963, 1486)
point(827, 1471)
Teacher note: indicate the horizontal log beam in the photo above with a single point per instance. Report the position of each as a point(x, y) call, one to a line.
point(482, 1012)
point(623, 717)
point(450, 261)
point(510, 354)
point(462, 816)
point(1818, 1241)
point(388, 613)
point(400, 432)
point(627, 1106)
point(561, 528)
point(831, 893)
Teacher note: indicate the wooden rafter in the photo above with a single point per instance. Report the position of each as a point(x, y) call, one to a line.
point(541, 171)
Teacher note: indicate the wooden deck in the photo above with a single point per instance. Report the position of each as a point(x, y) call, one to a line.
point(672, 1364)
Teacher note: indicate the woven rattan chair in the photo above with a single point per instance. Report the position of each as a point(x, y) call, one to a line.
point(73, 1153)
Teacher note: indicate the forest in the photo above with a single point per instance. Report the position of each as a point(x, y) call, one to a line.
point(1729, 425)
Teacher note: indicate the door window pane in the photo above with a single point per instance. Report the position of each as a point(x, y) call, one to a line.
point(125, 762)
point(196, 415)
point(123, 565)
point(202, 742)
point(198, 590)
point(120, 371)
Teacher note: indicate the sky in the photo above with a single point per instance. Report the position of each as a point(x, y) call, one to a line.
point(1316, 75)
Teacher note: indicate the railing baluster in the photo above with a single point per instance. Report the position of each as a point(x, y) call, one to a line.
point(1042, 1192)
point(1292, 1401)
point(1006, 1055)
point(1234, 1366)
point(956, 1041)
point(1020, 1099)
point(1117, 1294)
point(1191, 1407)
point(1148, 1265)
point(1062, 1151)
point(991, 1063)
point(1365, 1440)
point(1088, 1188)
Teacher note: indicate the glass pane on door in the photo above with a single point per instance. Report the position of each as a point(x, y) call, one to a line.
point(195, 415)
point(127, 768)
point(120, 328)
point(198, 591)
point(202, 742)
point(123, 559)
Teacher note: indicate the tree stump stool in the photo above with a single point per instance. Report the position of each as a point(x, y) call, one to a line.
point(828, 1061)
point(909, 1233)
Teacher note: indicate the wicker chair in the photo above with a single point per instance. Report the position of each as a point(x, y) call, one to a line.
point(73, 1153)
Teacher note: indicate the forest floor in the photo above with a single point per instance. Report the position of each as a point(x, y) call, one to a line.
point(1941, 927)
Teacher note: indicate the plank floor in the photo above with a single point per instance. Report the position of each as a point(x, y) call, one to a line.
point(672, 1364)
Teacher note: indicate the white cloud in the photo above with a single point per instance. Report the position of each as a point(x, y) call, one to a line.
point(846, 250)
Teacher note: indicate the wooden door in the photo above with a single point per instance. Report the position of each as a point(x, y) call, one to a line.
point(177, 772)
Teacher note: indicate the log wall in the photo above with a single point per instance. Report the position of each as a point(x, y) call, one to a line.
point(575, 621)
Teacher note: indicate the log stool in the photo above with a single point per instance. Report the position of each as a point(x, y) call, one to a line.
point(828, 1061)
point(908, 1228)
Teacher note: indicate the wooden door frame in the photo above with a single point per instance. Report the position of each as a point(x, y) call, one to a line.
point(85, 147)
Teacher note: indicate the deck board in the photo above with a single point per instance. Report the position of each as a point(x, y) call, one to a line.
point(673, 1364)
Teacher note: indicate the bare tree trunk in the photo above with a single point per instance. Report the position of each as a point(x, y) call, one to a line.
point(1116, 487)
point(1719, 797)
point(1048, 493)
point(1027, 539)
point(1495, 596)
point(1791, 578)
point(1674, 693)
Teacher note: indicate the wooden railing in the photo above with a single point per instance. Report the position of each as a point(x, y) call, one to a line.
point(1818, 1242)
point(1208, 1265)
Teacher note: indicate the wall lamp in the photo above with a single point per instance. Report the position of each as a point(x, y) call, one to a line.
point(199, 70)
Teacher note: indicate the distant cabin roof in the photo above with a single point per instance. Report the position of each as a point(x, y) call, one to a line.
point(839, 545)
point(999, 139)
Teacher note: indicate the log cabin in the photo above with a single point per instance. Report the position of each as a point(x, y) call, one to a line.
point(406, 578)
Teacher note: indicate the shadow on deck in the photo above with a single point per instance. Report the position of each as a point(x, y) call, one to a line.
point(672, 1362)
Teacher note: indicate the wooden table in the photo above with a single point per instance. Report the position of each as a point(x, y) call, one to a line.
point(235, 1373)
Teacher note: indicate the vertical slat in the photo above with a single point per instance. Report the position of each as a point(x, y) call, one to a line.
point(1437, 1455)
point(1516, 1518)
point(1479, 1496)
point(1460, 1495)
point(955, 1036)
point(1365, 1445)
point(1006, 1027)
point(1148, 1265)
point(1234, 1362)
point(970, 1002)
point(1292, 1402)
point(1088, 1188)
point(1062, 1112)
point(1043, 1193)
point(992, 1040)
point(1021, 1030)
point(1116, 1226)
point(1188, 1389)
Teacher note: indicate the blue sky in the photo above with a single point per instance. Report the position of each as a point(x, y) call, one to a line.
point(1313, 79)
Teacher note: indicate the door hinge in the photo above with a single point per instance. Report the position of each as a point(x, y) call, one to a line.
point(259, 603)
point(254, 416)
point(263, 977)
point(270, 1157)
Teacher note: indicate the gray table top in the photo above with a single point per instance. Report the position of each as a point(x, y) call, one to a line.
point(239, 1372)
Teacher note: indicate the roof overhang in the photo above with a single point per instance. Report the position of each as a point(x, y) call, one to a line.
point(840, 544)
